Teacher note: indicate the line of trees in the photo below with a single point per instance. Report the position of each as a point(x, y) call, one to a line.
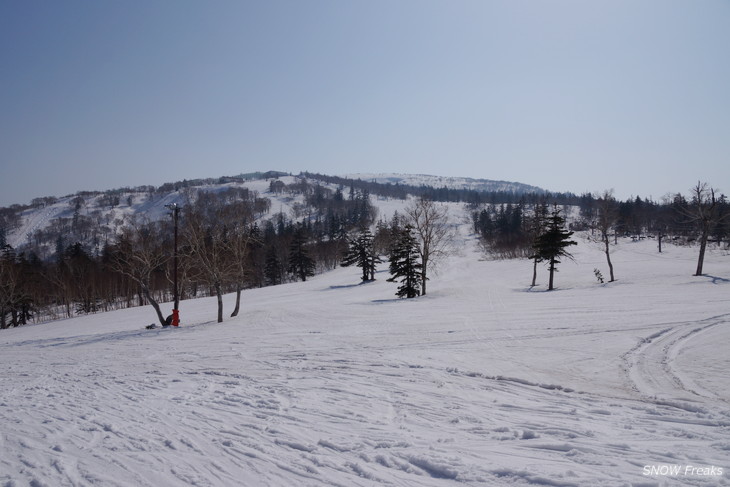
point(227, 246)
point(474, 198)
point(415, 242)
point(518, 230)
point(224, 247)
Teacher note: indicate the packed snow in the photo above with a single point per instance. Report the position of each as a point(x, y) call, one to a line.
point(484, 381)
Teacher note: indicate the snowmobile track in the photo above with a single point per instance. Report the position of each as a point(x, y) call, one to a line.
point(651, 368)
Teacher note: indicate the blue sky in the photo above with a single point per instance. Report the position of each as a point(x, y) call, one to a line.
point(569, 95)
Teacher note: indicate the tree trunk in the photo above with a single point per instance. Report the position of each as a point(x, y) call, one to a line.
point(610, 266)
point(154, 304)
point(534, 271)
point(424, 263)
point(660, 242)
point(552, 271)
point(608, 256)
point(238, 300)
point(219, 295)
point(703, 246)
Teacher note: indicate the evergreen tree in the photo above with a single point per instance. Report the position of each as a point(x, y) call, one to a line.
point(361, 253)
point(272, 268)
point(60, 249)
point(551, 244)
point(483, 224)
point(404, 264)
point(300, 264)
point(256, 257)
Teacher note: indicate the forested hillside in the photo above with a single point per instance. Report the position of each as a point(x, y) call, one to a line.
point(98, 251)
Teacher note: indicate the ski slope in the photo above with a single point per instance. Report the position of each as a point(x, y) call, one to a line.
point(333, 382)
point(146, 206)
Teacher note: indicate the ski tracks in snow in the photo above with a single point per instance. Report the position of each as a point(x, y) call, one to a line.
point(329, 414)
point(652, 371)
point(324, 386)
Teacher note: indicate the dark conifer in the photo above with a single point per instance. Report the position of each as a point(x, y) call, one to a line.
point(551, 244)
point(272, 268)
point(361, 253)
point(300, 263)
point(404, 264)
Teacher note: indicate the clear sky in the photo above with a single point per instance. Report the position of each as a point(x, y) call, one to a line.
point(569, 95)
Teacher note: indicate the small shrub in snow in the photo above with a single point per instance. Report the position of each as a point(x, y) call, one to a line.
point(599, 276)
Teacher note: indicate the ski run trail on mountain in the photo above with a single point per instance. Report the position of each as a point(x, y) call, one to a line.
point(484, 381)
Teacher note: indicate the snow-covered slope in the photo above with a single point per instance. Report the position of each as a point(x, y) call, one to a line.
point(332, 382)
point(144, 205)
point(109, 219)
point(448, 182)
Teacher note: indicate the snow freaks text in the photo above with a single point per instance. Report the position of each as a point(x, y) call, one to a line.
point(682, 471)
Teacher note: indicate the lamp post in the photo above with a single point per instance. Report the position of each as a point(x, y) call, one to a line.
point(175, 311)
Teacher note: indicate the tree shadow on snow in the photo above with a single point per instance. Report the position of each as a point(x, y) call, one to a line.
point(541, 289)
point(386, 301)
point(716, 279)
point(350, 286)
point(92, 338)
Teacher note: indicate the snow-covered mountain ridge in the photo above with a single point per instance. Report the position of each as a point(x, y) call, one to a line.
point(127, 204)
point(108, 211)
point(447, 182)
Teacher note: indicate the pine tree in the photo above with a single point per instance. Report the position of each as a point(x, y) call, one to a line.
point(300, 264)
point(404, 264)
point(272, 268)
point(361, 253)
point(551, 244)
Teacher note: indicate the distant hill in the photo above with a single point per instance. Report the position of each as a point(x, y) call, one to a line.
point(448, 182)
point(95, 217)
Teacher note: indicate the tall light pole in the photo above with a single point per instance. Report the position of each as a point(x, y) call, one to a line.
point(175, 311)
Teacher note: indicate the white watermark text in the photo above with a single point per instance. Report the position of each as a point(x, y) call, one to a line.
point(682, 471)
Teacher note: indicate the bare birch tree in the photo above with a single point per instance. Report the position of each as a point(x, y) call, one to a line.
point(240, 240)
point(606, 219)
point(704, 211)
point(537, 227)
point(434, 232)
point(207, 239)
point(138, 254)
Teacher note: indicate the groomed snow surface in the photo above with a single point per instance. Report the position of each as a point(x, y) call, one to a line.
point(484, 381)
